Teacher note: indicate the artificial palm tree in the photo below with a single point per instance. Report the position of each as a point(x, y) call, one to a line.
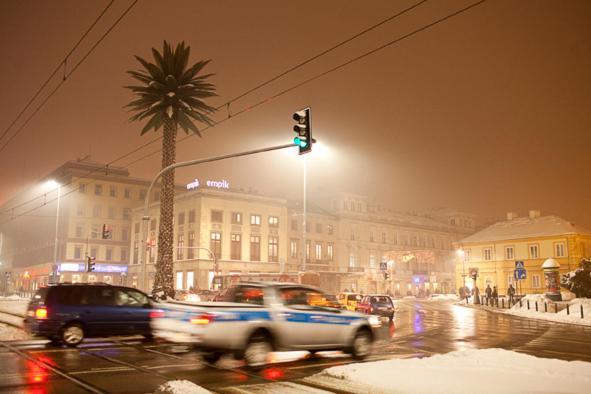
point(171, 94)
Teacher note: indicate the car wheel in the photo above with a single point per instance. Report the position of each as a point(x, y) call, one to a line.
point(212, 357)
point(362, 344)
point(72, 334)
point(257, 351)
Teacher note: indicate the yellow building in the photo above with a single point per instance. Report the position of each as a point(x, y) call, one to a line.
point(494, 251)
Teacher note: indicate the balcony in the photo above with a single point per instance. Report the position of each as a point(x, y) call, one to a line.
point(356, 269)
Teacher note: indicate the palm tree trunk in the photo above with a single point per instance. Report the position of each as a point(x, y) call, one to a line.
point(164, 281)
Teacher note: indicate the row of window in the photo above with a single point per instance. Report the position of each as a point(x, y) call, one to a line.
point(95, 232)
point(319, 227)
point(320, 253)
point(107, 254)
point(533, 252)
point(405, 240)
point(217, 216)
point(111, 213)
point(98, 190)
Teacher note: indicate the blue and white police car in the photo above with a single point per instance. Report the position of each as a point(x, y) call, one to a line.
point(257, 318)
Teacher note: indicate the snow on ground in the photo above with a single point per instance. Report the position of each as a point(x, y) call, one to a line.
point(17, 307)
point(574, 308)
point(9, 333)
point(443, 297)
point(467, 371)
point(180, 387)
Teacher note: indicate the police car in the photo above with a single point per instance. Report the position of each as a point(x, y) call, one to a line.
point(254, 319)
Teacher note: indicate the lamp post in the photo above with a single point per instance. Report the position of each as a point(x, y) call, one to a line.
point(55, 184)
point(462, 255)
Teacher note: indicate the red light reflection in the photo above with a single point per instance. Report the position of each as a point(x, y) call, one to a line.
point(273, 373)
point(35, 373)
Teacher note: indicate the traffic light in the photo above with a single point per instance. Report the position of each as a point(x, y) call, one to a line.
point(474, 274)
point(303, 127)
point(386, 275)
point(90, 263)
point(107, 232)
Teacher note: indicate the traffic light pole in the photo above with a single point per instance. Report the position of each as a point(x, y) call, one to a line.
point(146, 216)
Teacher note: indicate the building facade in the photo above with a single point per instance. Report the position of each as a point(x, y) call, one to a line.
point(493, 251)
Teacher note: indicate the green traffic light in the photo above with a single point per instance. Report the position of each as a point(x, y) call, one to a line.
point(300, 142)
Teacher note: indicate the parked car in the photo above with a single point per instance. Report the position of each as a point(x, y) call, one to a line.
point(380, 305)
point(71, 312)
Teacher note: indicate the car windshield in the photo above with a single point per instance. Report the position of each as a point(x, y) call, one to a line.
point(381, 300)
point(353, 297)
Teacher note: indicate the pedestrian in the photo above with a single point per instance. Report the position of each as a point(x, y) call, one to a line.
point(511, 294)
point(488, 292)
point(495, 295)
point(462, 292)
point(476, 294)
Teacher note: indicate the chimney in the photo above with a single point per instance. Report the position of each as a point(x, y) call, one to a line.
point(511, 215)
point(534, 214)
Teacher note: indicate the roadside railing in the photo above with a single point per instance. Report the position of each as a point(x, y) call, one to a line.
point(539, 306)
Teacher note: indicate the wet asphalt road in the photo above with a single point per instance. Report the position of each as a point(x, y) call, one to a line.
point(421, 328)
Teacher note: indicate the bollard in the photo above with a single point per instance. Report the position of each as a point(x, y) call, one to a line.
point(503, 303)
point(536, 306)
point(555, 308)
point(582, 316)
point(567, 310)
point(528, 305)
point(545, 307)
point(520, 303)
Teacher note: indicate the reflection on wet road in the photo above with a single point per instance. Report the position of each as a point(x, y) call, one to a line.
point(421, 328)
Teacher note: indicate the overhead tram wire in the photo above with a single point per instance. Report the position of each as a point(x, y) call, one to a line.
point(67, 75)
point(281, 93)
point(60, 65)
point(257, 87)
point(408, 35)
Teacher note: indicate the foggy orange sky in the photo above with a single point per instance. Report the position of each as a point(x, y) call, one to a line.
point(487, 112)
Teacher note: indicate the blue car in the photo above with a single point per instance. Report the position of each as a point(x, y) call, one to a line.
point(69, 313)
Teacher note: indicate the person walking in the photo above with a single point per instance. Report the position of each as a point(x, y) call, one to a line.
point(476, 293)
point(488, 293)
point(511, 294)
point(495, 296)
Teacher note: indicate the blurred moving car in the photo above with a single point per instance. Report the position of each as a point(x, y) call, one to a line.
point(256, 318)
point(71, 312)
point(380, 305)
point(349, 300)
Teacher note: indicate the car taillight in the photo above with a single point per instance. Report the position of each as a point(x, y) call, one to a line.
point(41, 313)
point(156, 314)
point(203, 319)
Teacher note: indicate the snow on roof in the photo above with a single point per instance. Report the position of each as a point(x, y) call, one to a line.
point(525, 227)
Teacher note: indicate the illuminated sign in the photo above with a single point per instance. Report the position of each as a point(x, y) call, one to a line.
point(221, 184)
point(77, 267)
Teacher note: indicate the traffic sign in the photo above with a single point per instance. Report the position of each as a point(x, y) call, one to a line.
point(383, 266)
point(519, 265)
point(520, 274)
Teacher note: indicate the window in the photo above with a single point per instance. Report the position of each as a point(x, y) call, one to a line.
point(535, 281)
point(383, 238)
point(80, 210)
point(215, 243)
point(533, 251)
point(371, 236)
point(137, 228)
point(179, 280)
point(487, 254)
point(358, 207)
point(329, 251)
point(294, 224)
point(273, 221)
point(136, 251)
point(124, 254)
point(125, 234)
point(236, 247)
point(190, 279)
point(217, 216)
point(181, 219)
point(307, 250)
point(94, 231)
point(98, 190)
point(318, 252)
point(293, 248)
point(372, 261)
point(109, 254)
point(78, 252)
point(255, 220)
point(96, 211)
point(509, 253)
point(351, 260)
point(82, 188)
point(255, 248)
point(142, 195)
point(107, 279)
point(113, 191)
point(192, 216)
point(130, 298)
point(79, 230)
point(302, 298)
point(126, 213)
point(94, 252)
point(273, 249)
point(413, 240)
point(559, 250)
point(319, 228)
point(510, 280)
point(190, 250)
point(111, 213)
point(452, 221)
point(152, 225)
point(180, 247)
point(127, 193)
point(467, 253)
point(236, 218)
point(352, 235)
point(330, 229)
point(249, 295)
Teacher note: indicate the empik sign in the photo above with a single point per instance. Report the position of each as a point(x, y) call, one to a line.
point(221, 184)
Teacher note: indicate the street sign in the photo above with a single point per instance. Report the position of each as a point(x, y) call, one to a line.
point(520, 274)
point(473, 273)
point(383, 266)
point(519, 265)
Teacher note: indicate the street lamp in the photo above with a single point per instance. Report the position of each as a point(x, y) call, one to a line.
point(462, 255)
point(55, 185)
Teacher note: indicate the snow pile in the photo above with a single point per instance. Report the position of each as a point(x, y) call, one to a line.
point(180, 387)
point(574, 315)
point(14, 306)
point(8, 333)
point(483, 371)
point(14, 297)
